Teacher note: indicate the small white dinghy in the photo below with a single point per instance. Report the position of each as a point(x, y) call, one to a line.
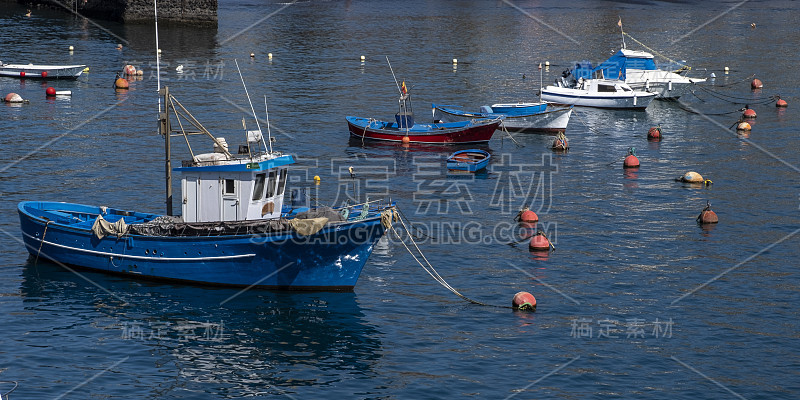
point(33, 71)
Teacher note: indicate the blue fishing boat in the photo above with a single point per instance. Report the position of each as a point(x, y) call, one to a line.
point(471, 160)
point(234, 229)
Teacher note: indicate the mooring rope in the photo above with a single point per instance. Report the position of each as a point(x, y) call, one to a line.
point(428, 267)
point(738, 100)
point(41, 242)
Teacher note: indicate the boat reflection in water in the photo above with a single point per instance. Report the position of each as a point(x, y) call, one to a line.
point(221, 341)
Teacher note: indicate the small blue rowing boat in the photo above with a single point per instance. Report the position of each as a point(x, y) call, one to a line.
point(471, 160)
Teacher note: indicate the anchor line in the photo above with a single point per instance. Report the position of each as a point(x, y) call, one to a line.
point(739, 100)
point(428, 267)
point(42, 242)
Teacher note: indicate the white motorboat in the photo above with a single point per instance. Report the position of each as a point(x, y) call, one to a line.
point(639, 71)
point(34, 71)
point(601, 93)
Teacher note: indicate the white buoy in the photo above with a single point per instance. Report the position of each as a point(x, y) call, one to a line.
point(269, 56)
point(363, 58)
point(63, 93)
point(252, 55)
point(455, 61)
point(547, 63)
point(713, 75)
point(71, 48)
point(159, 51)
point(727, 69)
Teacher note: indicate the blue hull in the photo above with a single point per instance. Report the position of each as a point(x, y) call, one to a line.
point(331, 259)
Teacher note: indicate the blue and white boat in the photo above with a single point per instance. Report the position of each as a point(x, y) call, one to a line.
point(638, 69)
point(234, 229)
point(471, 160)
point(517, 117)
point(600, 93)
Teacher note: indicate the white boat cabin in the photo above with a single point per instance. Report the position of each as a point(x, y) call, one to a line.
point(222, 187)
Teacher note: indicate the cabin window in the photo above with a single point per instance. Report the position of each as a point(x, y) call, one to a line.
point(282, 182)
point(271, 184)
point(229, 186)
point(258, 190)
point(606, 88)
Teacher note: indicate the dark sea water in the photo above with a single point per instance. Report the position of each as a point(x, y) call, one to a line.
point(638, 301)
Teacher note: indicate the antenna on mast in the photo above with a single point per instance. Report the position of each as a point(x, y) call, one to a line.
point(395, 78)
point(269, 134)
point(251, 103)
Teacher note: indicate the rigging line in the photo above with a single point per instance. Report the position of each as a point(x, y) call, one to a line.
point(655, 52)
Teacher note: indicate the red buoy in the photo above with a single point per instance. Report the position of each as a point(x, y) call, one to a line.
point(756, 84)
point(749, 113)
point(539, 242)
point(523, 301)
point(44, 74)
point(50, 91)
point(129, 70)
point(781, 103)
point(631, 162)
point(654, 133)
point(22, 74)
point(707, 216)
point(528, 216)
point(121, 83)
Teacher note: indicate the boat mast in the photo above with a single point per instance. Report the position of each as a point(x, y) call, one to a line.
point(621, 32)
point(163, 119)
point(164, 128)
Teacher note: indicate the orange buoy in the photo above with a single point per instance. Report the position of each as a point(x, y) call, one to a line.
point(129, 70)
point(121, 83)
point(743, 126)
point(756, 84)
point(50, 91)
point(707, 216)
point(654, 133)
point(528, 216)
point(691, 177)
point(523, 301)
point(539, 242)
point(781, 103)
point(406, 140)
point(631, 161)
point(748, 113)
point(13, 98)
point(44, 74)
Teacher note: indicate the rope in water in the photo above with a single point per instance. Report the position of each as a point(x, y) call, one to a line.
point(739, 100)
point(428, 267)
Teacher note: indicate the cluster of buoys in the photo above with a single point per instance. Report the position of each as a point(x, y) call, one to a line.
point(527, 219)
